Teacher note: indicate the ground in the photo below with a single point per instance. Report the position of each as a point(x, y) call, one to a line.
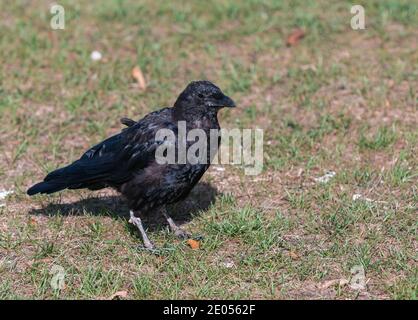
point(339, 100)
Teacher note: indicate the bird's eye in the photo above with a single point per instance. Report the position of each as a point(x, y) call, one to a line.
point(201, 96)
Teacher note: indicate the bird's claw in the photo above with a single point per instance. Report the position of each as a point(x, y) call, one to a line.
point(198, 237)
point(154, 250)
point(149, 246)
point(180, 233)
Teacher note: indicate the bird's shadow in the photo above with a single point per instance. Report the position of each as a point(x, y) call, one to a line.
point(200, 199)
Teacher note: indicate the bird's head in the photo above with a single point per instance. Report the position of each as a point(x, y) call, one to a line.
point(204, 94)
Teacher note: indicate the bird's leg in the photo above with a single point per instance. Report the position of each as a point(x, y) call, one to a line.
point(179, 232)
point(138, 223)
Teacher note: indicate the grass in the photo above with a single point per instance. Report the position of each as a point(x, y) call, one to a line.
point(340, 100)
point(383, 138)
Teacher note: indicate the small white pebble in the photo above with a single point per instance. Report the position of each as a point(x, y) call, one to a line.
point(325, 178)
point(356, 196)
point(5, 193)
point(359, 196)
point(95, 56)
point(228, 264)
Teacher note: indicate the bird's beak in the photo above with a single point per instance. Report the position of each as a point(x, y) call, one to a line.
point(227, 102)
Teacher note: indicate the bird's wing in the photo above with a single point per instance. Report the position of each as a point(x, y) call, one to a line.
point(113, 161)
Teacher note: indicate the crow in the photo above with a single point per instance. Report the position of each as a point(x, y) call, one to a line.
point(127, 161)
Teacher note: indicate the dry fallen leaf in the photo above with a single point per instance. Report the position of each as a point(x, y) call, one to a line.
point(293, 255)
point(118, 295)
point(32, 221)
point(194, 244)
point(139, 77)
point(295, 37)
point(44, 260)
point(329, 283)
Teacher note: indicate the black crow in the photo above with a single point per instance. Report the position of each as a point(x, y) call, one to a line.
point(127, 161)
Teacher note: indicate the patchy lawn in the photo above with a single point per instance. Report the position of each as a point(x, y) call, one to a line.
point(339, 100)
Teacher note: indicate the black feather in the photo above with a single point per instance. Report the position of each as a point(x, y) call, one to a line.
point(127, 122)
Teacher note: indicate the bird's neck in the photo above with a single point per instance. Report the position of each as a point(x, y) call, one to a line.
point(195, 114)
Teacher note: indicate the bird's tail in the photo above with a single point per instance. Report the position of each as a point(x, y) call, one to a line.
point(46, 187)
point(74, 176)
point(56, 180)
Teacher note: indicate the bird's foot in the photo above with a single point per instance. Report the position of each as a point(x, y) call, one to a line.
point(198, 237)
point(155, 250)
point(152, 250)
point(149, 245)
point(180, 233)
point(138, 223)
